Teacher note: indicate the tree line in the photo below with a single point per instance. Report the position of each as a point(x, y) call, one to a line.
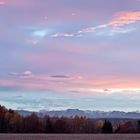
point(13, 122)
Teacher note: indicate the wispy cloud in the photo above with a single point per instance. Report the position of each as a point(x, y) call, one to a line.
point(40, 33)
point(65, 35)
point(122, 31)
point(125, 18)
point(26, 74)
point(116, 25)
point(2, 3)
point(73, 14)
point(121, 20)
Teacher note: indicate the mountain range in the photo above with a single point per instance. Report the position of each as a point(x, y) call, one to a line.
point(88, 113)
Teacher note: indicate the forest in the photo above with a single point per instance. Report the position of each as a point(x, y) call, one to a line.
point(13, 122)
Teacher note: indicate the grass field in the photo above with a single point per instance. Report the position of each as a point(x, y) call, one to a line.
point(69, 137)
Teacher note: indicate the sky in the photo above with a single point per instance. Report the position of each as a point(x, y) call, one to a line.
point(61, 54)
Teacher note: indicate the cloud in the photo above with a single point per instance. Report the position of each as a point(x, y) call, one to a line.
point(60, 76)
point(125, 18)
point(93, 29)
point(122, 31)
point(122, 19)
point(13, 74)
point(73, 85)
point(73, 14)
point(107, 90)
point(2, 3)
point(85, 92)
point(26, 74)
point(63, 35)
point(78, 34)
point(40, 33)
point(35, 34)
point(116, 25)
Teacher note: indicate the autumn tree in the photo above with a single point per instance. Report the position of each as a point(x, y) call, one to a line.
point(31, 124)
point(48, 125)
point(2, 119)
point(107, 127)
point(60, 126)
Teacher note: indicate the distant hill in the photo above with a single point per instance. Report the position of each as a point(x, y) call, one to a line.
point(88, 114)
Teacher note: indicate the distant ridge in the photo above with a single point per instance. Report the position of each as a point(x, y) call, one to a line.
point(88, 113)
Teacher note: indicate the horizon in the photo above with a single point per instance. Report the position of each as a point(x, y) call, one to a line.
point(136, 111)
point(69, 54)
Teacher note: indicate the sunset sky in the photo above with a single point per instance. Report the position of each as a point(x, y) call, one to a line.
point(60, 54)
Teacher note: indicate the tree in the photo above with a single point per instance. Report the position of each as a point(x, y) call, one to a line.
point(107, 127)
point(48, 125)
point(3, 111)
point(16, 123)
point(60, 126)
point(138, 127)
point(31, 124)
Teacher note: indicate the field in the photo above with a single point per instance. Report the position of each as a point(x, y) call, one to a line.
point(69, 137)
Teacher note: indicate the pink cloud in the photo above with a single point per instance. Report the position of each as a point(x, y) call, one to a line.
point(77, 84)
point(6, 83)
point(122, 19)
point(93, 29)
point(125, 18)
point(2, 3)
